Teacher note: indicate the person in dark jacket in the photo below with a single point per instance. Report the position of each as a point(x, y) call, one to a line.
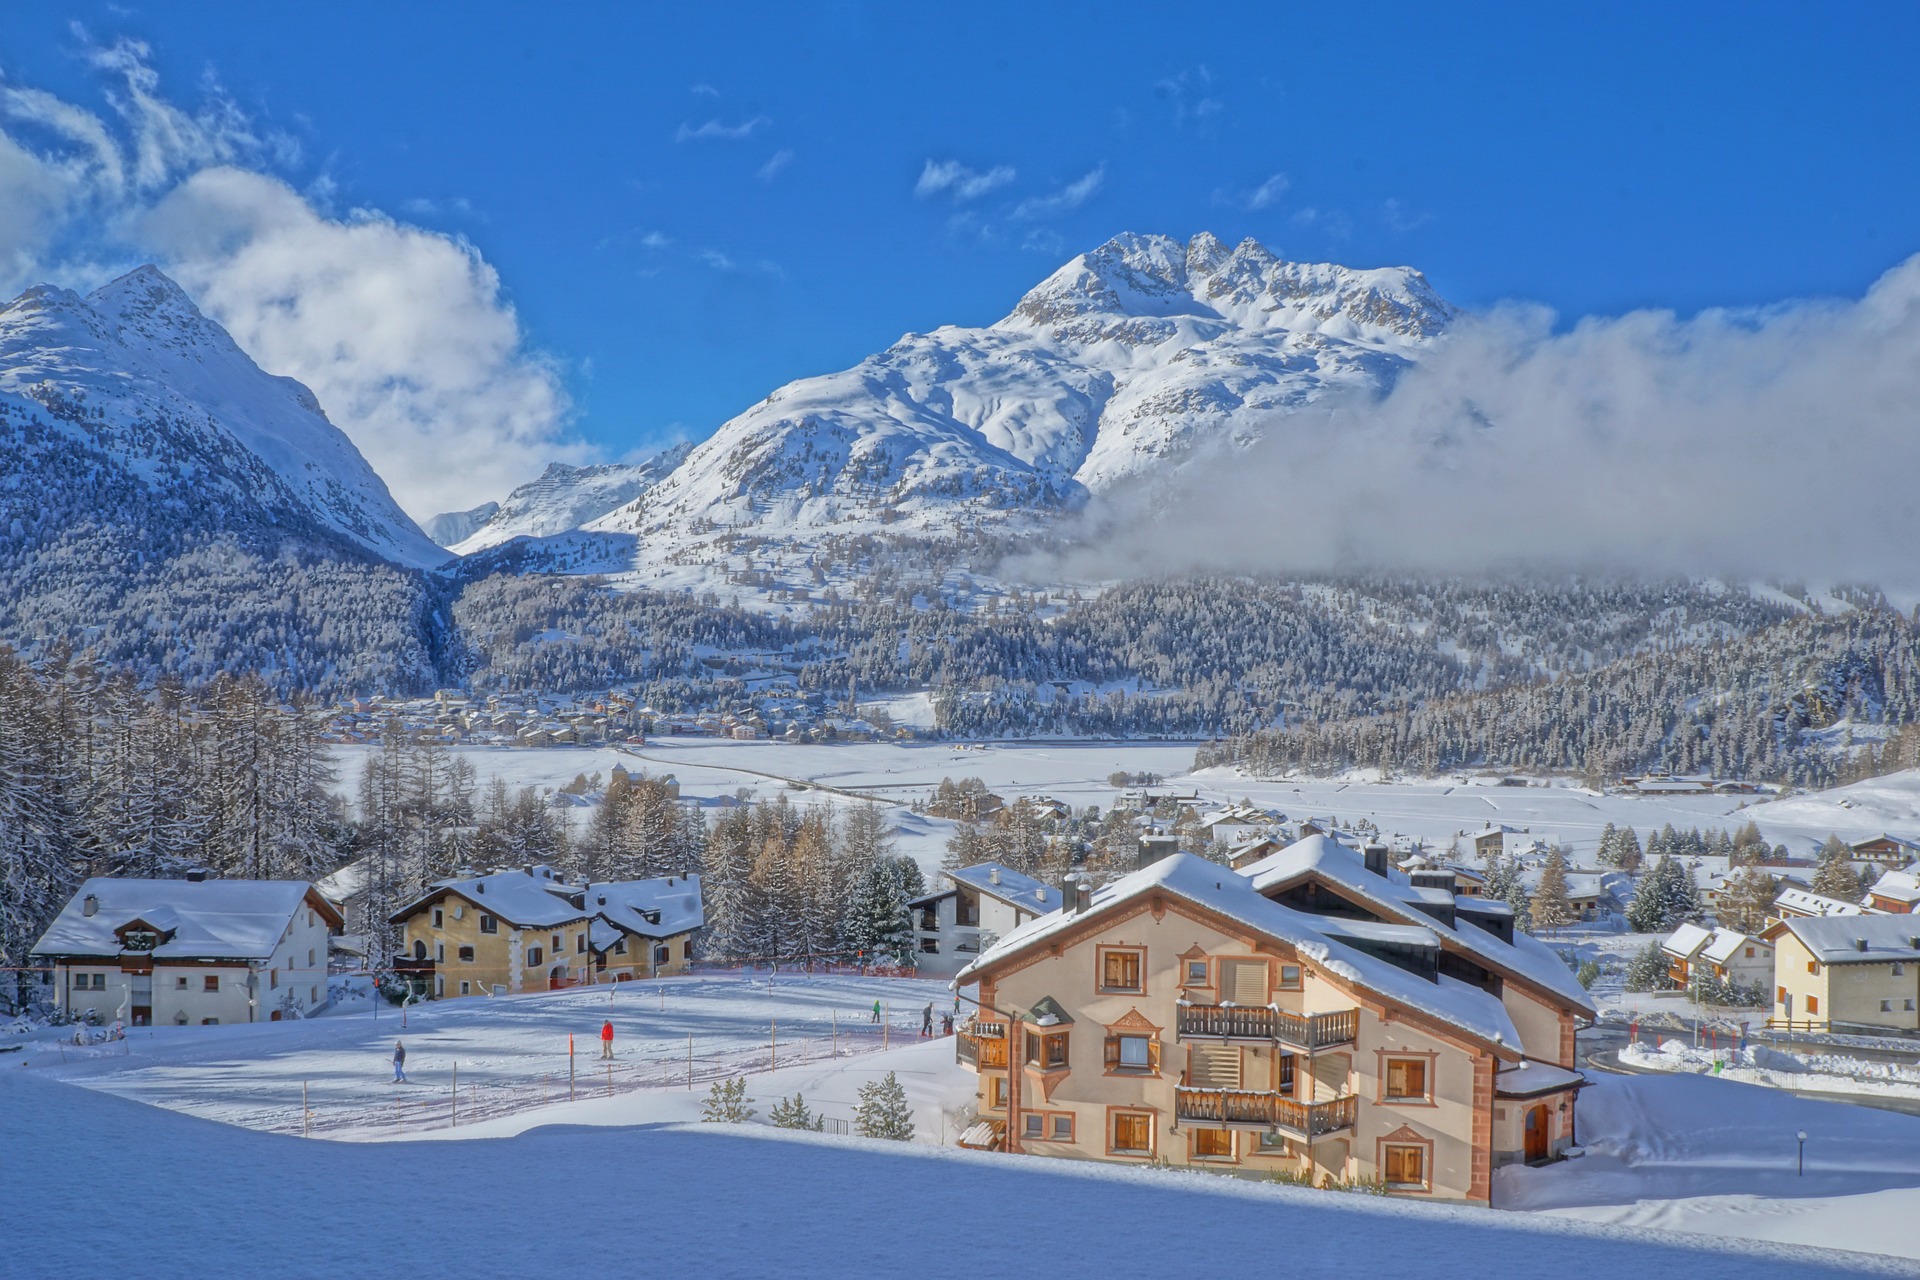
point(606, 1041)
point(926, 1019)
point(399, 1063)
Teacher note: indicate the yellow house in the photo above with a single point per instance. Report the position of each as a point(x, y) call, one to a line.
point(1193, 1015)
point(1846, 971)
point(530, 930)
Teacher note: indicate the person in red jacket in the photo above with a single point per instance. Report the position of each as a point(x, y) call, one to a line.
point(606, 1041)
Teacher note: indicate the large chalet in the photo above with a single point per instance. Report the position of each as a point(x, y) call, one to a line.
point(1320, 1014)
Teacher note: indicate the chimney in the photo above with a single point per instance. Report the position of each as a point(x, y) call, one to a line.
point(89, 905)
point(1859, 944)
point(480, 886)
point(1082, 895)
point(993, 876)
point(1375, 855)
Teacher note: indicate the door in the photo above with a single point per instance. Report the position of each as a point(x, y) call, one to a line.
point(1536, 1146)
point(142, 999)
point(557, 978)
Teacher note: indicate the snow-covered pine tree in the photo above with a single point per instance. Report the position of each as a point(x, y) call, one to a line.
point(792, 1113)
point(1648, 970)
point(1608, 855)
point(1551, 909)
point(1834, 875)
point(727, 1103)
point(1747, 900)
point(38, 833)
point(883, 1112)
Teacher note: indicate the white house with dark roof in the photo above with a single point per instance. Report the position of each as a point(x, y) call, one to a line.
point(190, 952)
point(980, 904)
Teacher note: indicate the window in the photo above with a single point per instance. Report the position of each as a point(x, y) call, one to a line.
point(1289, 977)
point(1048, 1052)
point(419, 948)
point(556, 944)
point(466, 953)
point(488, 924)
point(1062, 1126)
point(209, 1022)
point(1898, 970)
point(1196, 973)
point(466, 988)
point(1407, 1080)
point(929, 946)
point(273, 979)
point(1036, 1125)
point(1120, 970)
point(439, 986)
point(212, 982)
point(180, 983)
point(1132, 1134)
point(1213, 1144)
point(535, 955)
point(309, 957)
point(1907, 1005)
point(313, 995)
point(1813, 966)
point(1136, 1055)
point(99, 982)
point(1886, 1006)
point(1813, 1004)
point(439, 917)
point(1749, 953)
point(439, 953)
point(1779, 995)
point(662, 954)
point(620, 947)
point(996, 1093)
point(579, 944)
point(1272, 1143)
point(1406, 1165)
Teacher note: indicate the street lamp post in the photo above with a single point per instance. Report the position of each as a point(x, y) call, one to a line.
point(1801, 1170)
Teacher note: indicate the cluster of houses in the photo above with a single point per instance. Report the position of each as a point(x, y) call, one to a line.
point(1830, 965)
point(451, 716)
point(201, 950)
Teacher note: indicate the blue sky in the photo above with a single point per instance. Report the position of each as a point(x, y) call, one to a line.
point(687, 208)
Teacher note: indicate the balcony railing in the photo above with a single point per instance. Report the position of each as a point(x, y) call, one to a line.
point(1263, 1110)
point(981, 1045)
point(1256, 1022)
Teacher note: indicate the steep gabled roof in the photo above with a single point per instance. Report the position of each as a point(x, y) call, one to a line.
point(1009, 886)
point(199, 919)
point(1217, 891)
point(1525, 959)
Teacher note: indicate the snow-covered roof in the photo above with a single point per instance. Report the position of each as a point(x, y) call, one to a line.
point(1857, 939)
point(1687, 941)
point(1530, 1079)
point(528, 900)
point(201, 919)
point(1227, 893)
point(1724, 943)
point(658, 908)
point(1011, 887)
point(1808, 903)
point(1899, 886)
point(1393, 895)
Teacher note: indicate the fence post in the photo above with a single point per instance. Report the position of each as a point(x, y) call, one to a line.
point(689, 1062)
point(569, 1066)
point(456, 1097)
point(609, 1079)
point(886, 1025)
point(773, 1044)
point(835, 1014)
point(306, 1116)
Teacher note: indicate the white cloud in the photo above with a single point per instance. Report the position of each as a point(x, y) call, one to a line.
point(655, 240)
point(1190, 96)
point(720, 131)
point(1264, 196)
point(952, 178)
point(1069, 197)
point(775, 163)
point(1764, 443)
point(401, 332)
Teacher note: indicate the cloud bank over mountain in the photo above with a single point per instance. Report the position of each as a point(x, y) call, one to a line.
point(1783, 441)
point(403, 333)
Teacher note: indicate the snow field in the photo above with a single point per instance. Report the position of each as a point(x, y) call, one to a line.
point(1777, 1068)
point(509, 1055)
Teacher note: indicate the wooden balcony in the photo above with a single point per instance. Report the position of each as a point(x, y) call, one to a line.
point(981, 1045)
point(1248, 1109)
point(1304, 1032)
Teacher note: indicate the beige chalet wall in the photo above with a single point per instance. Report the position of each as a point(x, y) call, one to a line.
point(499, 959)
point(1546, 1031)
point(1089, 1094)
point(1859, 990)
point(1793, 984)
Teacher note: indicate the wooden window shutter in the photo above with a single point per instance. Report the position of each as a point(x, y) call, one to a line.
point(1216, 1066)
point(1153, 1054)
point(1249, 982)
point(1113, 1051)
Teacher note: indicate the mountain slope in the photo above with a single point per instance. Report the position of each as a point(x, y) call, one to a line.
point(169, 505)
point(1125, 361)
point(564, 498)
point(450, 527)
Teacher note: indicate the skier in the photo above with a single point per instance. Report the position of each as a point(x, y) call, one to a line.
point(876, 1011)
point(606, 1041)
point(399, 1063)
point(926, 1020)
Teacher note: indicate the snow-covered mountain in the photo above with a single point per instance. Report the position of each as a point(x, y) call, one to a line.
point(565, 498)
point(1123, 363)
point(450, 527)
point(135, 370)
